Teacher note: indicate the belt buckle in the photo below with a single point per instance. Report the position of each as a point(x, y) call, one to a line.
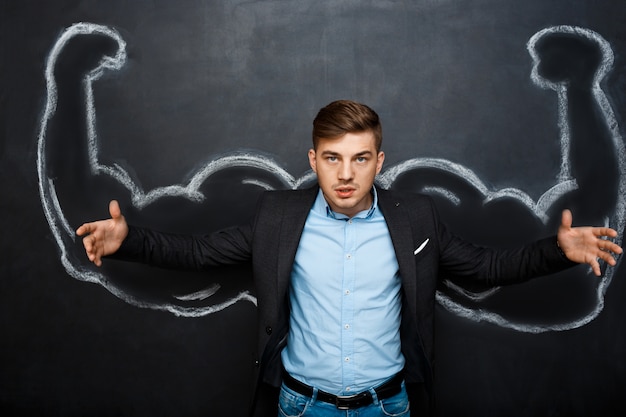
point(341, 401)
point(350, 402)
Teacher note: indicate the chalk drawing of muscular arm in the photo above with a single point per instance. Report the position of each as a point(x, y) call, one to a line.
point(71, 91)
point(69, 165)
point(572, 62)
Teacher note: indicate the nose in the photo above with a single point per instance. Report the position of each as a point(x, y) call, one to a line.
point(345, 171)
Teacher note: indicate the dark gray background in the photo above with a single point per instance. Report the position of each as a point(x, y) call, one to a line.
point(450, 79)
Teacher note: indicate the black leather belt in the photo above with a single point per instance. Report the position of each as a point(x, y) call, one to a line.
point(347, 402)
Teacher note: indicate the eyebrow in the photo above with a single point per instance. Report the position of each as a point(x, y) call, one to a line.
point(333, 153)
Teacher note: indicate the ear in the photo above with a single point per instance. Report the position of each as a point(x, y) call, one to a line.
point(312, 160)
point(379, 161)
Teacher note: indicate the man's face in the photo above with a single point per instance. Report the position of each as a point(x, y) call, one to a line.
point(345, 169)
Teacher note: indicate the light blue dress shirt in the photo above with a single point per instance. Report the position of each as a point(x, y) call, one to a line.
point(345, 297)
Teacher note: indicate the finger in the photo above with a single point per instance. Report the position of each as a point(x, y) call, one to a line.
point(595, 267)
point(607, 257)
point(88, 242)
point(93, 254)
point(604, 231)
point(114, 209)
point(607, 245)
point(85, 229)
point(566, 219)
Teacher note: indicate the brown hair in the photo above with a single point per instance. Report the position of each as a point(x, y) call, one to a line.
point(345, 116)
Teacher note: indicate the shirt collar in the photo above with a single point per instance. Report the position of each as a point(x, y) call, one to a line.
point(322, 207)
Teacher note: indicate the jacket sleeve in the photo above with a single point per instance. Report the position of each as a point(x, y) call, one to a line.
point(496, 266)
point(192, 252)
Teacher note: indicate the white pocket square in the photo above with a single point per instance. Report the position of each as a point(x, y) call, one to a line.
point(421, 247)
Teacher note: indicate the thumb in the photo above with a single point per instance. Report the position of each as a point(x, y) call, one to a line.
point(114, 210)
point(566, 219)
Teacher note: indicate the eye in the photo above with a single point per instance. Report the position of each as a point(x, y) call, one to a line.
point(361, 159)
point(331, 158)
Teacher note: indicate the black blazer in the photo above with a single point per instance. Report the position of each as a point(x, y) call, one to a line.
point(271, 240)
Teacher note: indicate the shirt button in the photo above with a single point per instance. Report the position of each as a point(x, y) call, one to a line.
point(347, 359)
point(347, 292)
point(347, 327)
point(348, 389)
point(268, 330)
point(348, 256)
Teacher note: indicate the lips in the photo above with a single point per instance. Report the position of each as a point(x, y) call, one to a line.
point(345, 192)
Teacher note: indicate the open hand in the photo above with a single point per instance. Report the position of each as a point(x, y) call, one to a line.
point(587, 244)
point(104, 237)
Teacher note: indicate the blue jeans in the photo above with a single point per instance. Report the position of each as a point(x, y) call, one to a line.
point(292, 404)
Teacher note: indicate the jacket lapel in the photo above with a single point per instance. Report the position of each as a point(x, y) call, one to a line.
point(400, 230)
point(295, 212)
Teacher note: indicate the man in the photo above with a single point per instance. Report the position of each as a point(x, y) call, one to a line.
point(345, 273)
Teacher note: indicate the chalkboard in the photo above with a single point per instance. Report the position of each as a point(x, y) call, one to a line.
point(505, 112)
